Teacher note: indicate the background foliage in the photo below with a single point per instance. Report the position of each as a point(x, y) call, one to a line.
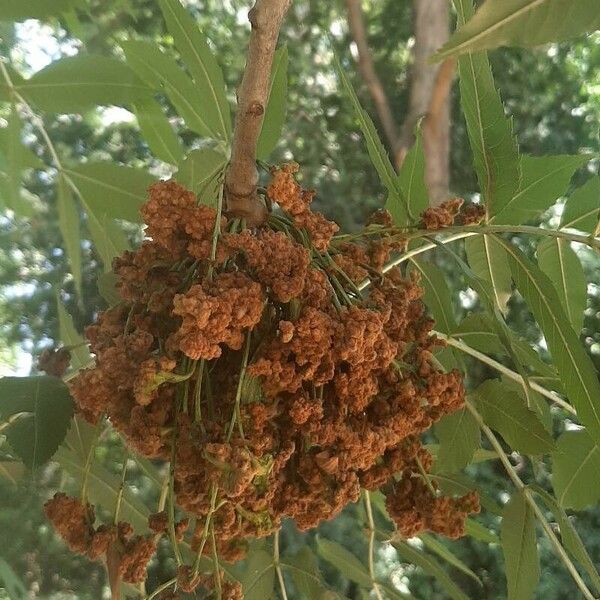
point(57, 245)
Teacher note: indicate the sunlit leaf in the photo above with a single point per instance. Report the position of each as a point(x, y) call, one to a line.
point(559, 262)
point(396, 202)
point(543, 180)
point(344, 561)
point(577, 373)
point(582, 208)
point(48, 409)
point(520, 548)
point(522, 23)
point(503, 410)
point(114, 190)
point(431, 567)
point(162, 73)
point(200, 62)
point(84, 81)
point(412, 177)
point(199, 172)
point(495, 151)
point(19, 10)
point(276, 106)
point(576, 470)
point(157, 132)
point(68, 223)
point(488, 260)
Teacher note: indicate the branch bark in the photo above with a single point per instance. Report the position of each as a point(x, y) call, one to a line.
point(366, 67)
point(241, 179)
point(431, 20)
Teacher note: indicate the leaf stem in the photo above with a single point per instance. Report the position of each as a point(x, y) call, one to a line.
point(277, 564)
point(236, 416)
point(553, 396)
point(121, 489)
point(510, 470)
point(162, 588)
point(371, 530)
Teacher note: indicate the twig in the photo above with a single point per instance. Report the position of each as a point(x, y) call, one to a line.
point(366, 67)
point(371, 524)
point(241, 179)
point(277, 564)
point(552, 396)
point(530, 500)
point(12, 419)
point(121, 491)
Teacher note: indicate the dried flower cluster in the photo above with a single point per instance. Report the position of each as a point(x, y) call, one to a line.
point(276, 386)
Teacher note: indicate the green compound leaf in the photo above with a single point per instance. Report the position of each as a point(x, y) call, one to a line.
point(157, 131)
point(459, 437)
point(495, 151)
point(522, 23)
point(578, 376)
point(259, 578)
point(559, 262)
point(412, 177)
point(576, 470)
point(582, 208)
point(520, 548)
point(207, 76)
point(48, 409)
point(503, 410)
point(113, 190)
point(77, 83)
point(543, 180)
point(344, 561)
point(276, 106)
point(69, 225)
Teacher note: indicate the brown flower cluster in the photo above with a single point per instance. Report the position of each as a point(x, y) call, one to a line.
point(75, 523)
point(276, 386)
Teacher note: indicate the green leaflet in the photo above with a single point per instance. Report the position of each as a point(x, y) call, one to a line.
point(460, 484)
point(114, 190)
point(433, 544)
point(522, 23)
point(396, 202)
point(157, 132)
point(9, 580)
point(81, 82)
point(412, 177)
point(431, 567)
point(577, 373)
point(570, 538)
point(107, 287)
point(495, 151)
point(162, 73)
point(259, 578)
point(344, 561)
point(559, 262)
point(543, 180)
point(71, 338)
point(17, 10)
point(576, 470)
point(519, 546)
point(437, 295)
point(488, 260)
point(582, 208)
point(503, 410)
point(304, 569)
point(274, 118)
point(201, 64)
point(199, 172)
point(459, 437)
point(108, 237)
point(36, 435)
point(69, 225)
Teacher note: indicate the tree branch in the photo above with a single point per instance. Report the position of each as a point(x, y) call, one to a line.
point(242, 177)
point(366, 68)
